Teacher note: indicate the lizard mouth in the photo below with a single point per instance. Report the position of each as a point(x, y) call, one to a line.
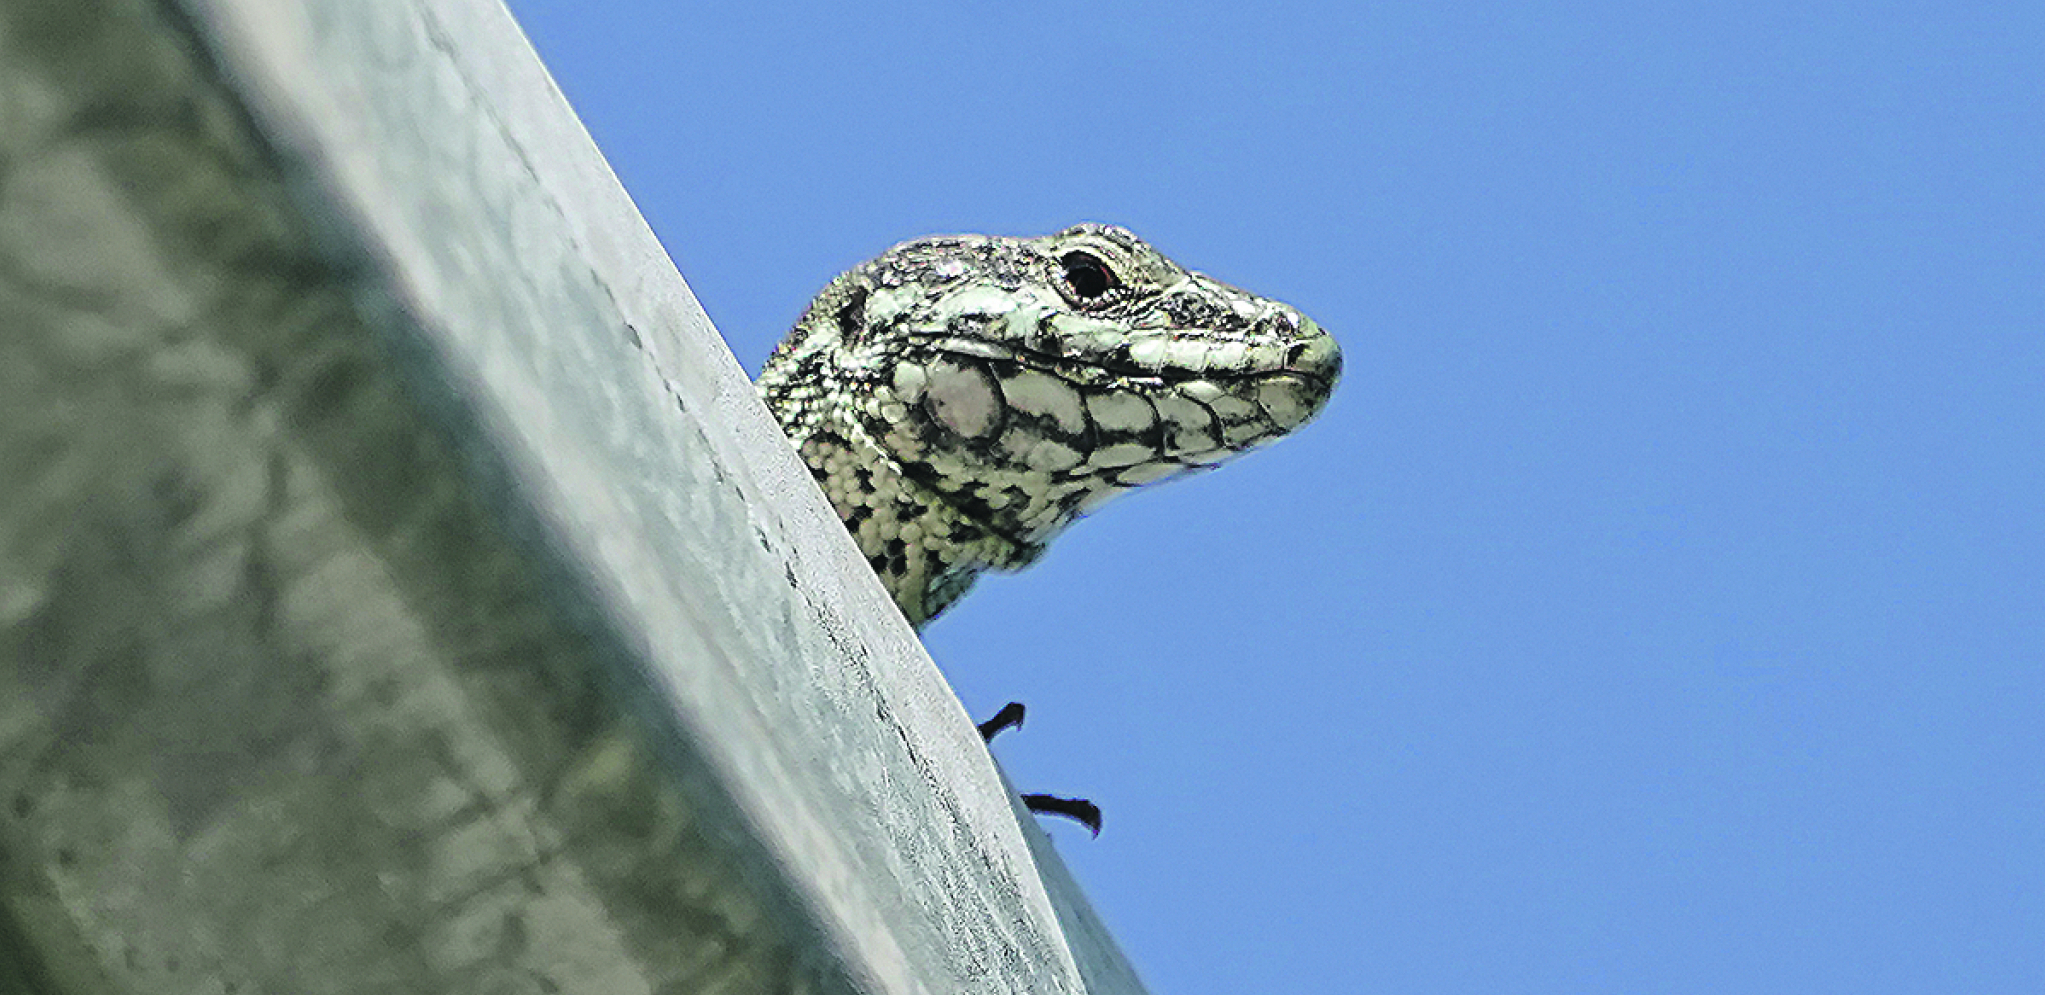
point(1315, 361)
point(1012, 413)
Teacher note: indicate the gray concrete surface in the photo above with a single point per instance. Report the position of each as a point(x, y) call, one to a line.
point(401, 589)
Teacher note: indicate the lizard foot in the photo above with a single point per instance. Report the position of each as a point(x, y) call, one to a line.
point(1079, 810)
point(1010, 716)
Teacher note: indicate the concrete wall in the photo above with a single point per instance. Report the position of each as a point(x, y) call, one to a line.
point(401, 588)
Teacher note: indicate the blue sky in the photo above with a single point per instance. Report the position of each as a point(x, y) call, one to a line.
point(1660, 604)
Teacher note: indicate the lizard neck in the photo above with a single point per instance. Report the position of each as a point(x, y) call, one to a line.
point(926, 551)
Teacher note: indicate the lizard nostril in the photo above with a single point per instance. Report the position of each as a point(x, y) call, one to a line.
point(1317, 355)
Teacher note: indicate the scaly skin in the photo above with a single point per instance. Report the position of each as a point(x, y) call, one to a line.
point(963, 399)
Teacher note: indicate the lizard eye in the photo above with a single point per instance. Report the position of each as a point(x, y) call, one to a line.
point(1087, 276)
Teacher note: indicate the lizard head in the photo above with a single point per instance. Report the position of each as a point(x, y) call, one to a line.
point(1028, 380)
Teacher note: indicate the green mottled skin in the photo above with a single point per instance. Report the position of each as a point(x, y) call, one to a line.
point(963, 399)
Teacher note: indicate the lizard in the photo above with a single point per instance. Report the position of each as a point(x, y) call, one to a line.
point(963, 399)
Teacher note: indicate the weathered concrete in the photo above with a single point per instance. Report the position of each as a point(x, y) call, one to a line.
point(400, 587)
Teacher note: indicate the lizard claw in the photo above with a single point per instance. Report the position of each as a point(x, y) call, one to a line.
point(1010, 716)
point(1079, 810)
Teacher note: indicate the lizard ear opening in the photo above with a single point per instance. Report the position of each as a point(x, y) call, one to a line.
point(852, 315)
